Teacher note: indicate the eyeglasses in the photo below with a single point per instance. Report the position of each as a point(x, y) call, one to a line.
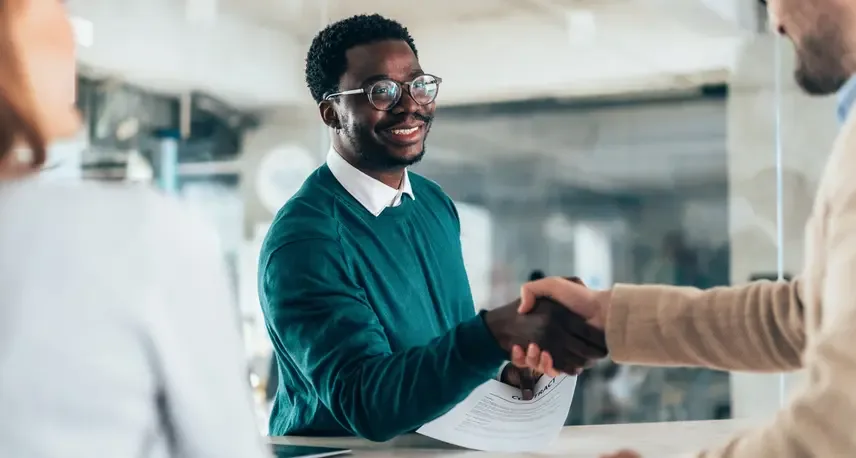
point(385, 94)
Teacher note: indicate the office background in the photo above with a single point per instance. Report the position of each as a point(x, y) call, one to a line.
point(622, 141)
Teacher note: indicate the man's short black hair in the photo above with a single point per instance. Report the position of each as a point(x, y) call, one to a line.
point(537, 274)
point(326, 62)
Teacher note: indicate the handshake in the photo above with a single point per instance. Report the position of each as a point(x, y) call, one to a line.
point(556, 326)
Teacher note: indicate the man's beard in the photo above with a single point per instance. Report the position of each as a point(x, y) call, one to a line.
point(374, 156)
point(821, 62)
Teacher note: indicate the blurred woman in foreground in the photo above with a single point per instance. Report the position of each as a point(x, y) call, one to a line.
point(117, 333)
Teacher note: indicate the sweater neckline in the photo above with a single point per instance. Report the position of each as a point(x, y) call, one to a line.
point(396, 212)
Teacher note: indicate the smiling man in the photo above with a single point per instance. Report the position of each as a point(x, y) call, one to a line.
point(361, 276)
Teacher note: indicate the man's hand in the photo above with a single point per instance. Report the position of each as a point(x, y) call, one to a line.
point(522, 378)
point(570, 342)
point(570, 292)
point(591, 306)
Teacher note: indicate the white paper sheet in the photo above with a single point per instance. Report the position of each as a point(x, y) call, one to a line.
point(494, 418)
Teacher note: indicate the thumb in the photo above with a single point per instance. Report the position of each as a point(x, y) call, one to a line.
point(527, 385)
point(528, 295)
point(576, 280)
point(559, 289)
point(531, 291)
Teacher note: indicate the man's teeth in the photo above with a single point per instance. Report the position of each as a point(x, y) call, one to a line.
point(404, 131)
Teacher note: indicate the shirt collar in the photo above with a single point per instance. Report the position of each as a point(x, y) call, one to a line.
point(370, 193)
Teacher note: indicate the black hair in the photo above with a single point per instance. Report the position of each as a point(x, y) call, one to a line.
point(326, 61)
point(537, 275)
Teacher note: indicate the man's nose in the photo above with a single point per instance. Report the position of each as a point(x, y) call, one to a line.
point(774, 23)
point(406, 104)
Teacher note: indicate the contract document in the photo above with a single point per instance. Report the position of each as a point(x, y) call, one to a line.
point(495, 418)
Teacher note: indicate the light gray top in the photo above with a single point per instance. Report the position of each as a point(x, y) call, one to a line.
point(118, 333)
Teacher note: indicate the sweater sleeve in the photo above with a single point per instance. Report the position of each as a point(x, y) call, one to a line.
point(320, 316)
point(756, 327)
point(819, 419)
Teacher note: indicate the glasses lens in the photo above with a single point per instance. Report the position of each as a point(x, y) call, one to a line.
point(384, 94)
point(424, 89)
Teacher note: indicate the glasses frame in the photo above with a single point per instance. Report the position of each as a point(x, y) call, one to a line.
point(404, 86)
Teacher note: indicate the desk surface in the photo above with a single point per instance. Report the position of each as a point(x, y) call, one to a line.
point(652, 440)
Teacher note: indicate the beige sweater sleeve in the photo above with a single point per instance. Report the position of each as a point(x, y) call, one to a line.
point(759, 326)
point(756, 327)
point(820, 420)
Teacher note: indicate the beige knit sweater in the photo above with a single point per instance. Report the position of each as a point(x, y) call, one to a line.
point(769, 327)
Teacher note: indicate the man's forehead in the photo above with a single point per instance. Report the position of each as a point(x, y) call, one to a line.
point(393, 58)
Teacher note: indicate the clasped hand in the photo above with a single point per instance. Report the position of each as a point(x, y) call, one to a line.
point(560, 323)
point(586, 305)
point(557, 338)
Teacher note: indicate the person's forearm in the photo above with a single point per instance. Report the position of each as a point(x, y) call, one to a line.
point(755, 327)
point(391, 394)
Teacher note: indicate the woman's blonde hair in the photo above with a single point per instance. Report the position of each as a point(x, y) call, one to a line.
point(18, 121)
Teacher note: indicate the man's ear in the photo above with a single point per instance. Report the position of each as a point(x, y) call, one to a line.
point(329, 114)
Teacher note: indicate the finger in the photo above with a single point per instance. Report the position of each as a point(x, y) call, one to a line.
point(549, 369)
point(518, 356)
point(546, 365)
point(533, 356)
point(527, 385)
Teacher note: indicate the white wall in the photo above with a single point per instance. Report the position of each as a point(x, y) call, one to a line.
point(739, 12)
point(526, 56)
point(151, 43)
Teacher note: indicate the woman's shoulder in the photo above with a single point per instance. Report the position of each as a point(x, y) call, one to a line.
point(101, 211)
point(90, 198)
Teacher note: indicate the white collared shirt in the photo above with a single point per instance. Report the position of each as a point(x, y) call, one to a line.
point(371, 193)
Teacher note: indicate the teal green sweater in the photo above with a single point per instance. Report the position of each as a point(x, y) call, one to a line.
point(371, 318)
